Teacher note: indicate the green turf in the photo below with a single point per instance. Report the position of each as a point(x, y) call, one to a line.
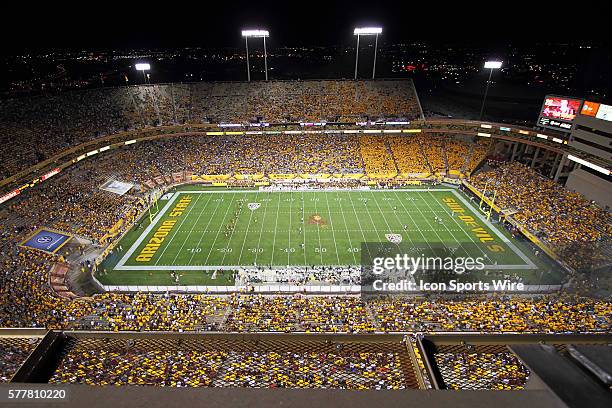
point(215, 231)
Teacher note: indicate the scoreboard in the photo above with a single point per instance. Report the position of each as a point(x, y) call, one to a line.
point(559, 112)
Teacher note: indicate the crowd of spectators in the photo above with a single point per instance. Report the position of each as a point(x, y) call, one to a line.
point(553, 213)
point(377, 157)
point(113, 362)
point(72, 201)
point(473, 370)
point(408, 155)
point(13, 352)
point(35, 128)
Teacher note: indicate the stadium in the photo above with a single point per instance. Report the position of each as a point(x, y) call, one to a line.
point(217, 235)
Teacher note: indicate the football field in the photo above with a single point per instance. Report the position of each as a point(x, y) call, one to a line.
point(197, 230)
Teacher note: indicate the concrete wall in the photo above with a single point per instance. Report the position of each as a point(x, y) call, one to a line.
point(593, 187)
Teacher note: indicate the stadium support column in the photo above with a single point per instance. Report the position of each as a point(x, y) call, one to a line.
point(535, 156)
point(484, 99)
point(265, 58)
point(356, 56)
point(375, 48)
point(554, 165)
point(516, 145)
point(560, 168)
point(246, 41)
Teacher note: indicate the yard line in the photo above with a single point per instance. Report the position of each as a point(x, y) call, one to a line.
point(233, 232)
point(189, 234)
point(212, 246)
point(493, 229)
point(332, 227)
point(476, 243)
point(263, 223)
point(348, 235)
point(185, 217)
point(275, 226)
point(212, 216)
point(400, 220)
point(145, 233)
point(453, 235)
point(304, 230)
point(383, 217)
point(288, 249)
point(245, 235)
point(413, 222)
point(365, 240)
point(315, 199)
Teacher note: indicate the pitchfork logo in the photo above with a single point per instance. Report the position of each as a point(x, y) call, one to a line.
point(254, 206)
point(44, 239)
point(394, 238)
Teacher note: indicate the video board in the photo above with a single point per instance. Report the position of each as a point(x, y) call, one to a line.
point(559, 112)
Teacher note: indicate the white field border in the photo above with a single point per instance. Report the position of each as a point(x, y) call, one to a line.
point(121, 266)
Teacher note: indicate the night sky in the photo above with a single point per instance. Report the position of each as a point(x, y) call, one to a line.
point(112, 24)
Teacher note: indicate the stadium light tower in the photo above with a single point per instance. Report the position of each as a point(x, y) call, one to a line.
point(491, 65)
point(143, 67)
point(257, 34)
point(359, 31)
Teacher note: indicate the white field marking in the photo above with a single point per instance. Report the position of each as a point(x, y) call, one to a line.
point(337, 230)
point(212, 216)
point(121, 265)
point(374, 224)
point(234, 230)
point(458, 242)
point(212, 246)
point(189, 234)
point(245, 236)
point(144, 234)
point(331, 224)
point(501, 236)
point(184, 218)
point(288, 250)
point(477, 244)
point(275, 226)
point(347, 190)
point(212, 267)
point(425, 240)
point(365, 240)
point(263, 223)
point(384, 218)
point(349, 235)
point(400, 221)
point(318, 230)
point(304, 228)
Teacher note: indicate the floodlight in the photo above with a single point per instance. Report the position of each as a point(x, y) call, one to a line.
point(488, 65)
point(255, 33)
point(143, 67)
point(359, 31)
point(367, 30)
point(493, 64)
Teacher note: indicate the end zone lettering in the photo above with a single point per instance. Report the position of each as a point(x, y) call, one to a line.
point(147, 253)
point(481, 233)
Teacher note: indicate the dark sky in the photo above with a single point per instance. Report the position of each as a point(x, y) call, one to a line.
point(167, 23)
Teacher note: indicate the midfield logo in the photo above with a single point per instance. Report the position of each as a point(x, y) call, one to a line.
point(394, 238)
point(254, 206)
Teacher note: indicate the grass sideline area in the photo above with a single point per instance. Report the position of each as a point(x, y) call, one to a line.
point(217, 229)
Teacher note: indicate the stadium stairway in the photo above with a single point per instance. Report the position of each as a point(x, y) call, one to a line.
point(57, 279)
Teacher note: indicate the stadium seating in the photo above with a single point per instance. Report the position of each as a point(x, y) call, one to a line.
point(39, 127)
